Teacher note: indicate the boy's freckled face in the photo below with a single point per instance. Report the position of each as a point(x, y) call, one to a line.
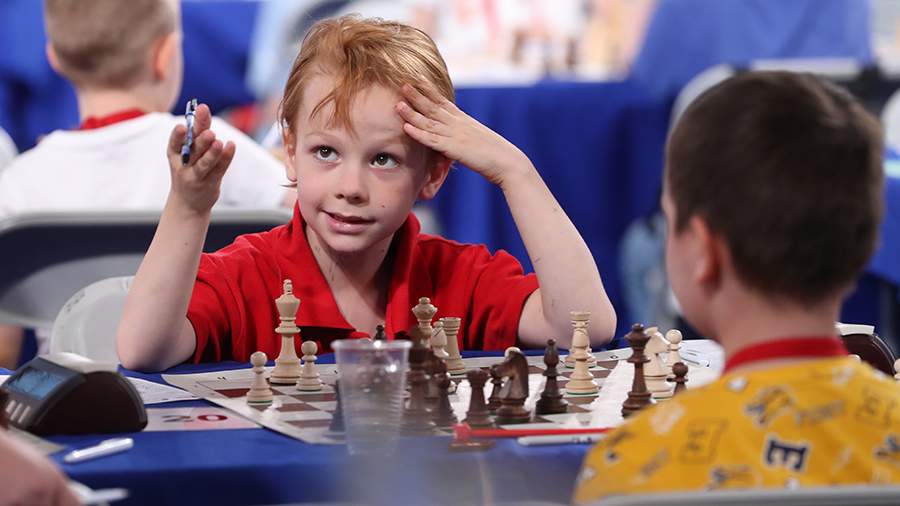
point(355, 188)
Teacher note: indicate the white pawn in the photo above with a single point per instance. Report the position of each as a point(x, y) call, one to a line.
point(309, 377)
point(512, 349)
point(674, 337)
point(260, 393)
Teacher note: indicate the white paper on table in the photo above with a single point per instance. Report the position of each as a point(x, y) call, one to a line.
point(197, 418)
point(155, 393)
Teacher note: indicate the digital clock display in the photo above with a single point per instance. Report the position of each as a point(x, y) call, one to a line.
point(36, 383)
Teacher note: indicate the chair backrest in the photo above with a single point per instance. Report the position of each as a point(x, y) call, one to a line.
point(87, 322)
point(46, 257)
point(844, 495)
point(861, 340)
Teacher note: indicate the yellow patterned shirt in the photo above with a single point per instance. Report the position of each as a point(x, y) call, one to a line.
point(822, 422)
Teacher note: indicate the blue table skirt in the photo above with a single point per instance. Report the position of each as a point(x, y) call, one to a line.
point(258, 466)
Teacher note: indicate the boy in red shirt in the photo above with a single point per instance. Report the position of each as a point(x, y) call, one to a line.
point(369, 127)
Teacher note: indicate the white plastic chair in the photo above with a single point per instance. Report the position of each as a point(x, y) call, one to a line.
point(87, 323)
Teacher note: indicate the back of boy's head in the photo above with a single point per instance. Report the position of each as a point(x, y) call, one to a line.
point(787, 169)
point(106, 43)
point(358, 53)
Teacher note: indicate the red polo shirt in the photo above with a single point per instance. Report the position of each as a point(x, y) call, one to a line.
point(233, 311)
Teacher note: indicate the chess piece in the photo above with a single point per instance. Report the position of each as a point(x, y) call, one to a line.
point(581, 382)
point(580, 321)
point(259, 394)
point(380, 335)
point(897, 369)
point(424, 312)
point(309, 377)
point(551, 401)
point(515, 390)
point(478, 414)
point(431, 388)
point(337, 418)
point(287, 365)
point(416, 419)
point(439, 341)
point(680, 370)
point(674, 337)
point(443, 412)
point(656, 371)
point(638, 396)
point(454, 361)
point(496, 386)
point(511, 349)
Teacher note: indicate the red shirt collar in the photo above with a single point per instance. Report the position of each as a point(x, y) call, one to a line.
point(790, 347)
point(409, 279)
point(92, 122)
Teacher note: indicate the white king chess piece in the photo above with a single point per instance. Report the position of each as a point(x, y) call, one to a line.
point(287, 365)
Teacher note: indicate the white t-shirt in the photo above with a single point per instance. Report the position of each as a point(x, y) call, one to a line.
point(124, 166)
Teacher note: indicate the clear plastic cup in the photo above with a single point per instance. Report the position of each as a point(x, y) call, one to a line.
point(373, 381)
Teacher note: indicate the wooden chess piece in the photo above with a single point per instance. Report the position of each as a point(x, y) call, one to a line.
point(496, 386)
point(680, 370)
point(443, 412)
point(260, 393)
point(439, 341)
point(424, 312)
point(551, 401)
point(656, 371)
point(454, 361)
point(416, 418)
point(431, 390)
point(897, 369)
point(478, 414)
point(674, 338)
point(515, 390)
point(337, 418)
point(580, 321)
point(581, 382)
point(380, 335)
point(639, 396)
point(309, 377)
point(287, 365)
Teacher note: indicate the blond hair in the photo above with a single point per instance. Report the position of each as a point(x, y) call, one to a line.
point(359, 53)
point(106, 43)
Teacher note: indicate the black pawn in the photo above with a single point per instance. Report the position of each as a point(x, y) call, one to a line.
point(337, 418)
point(680, 370)
point(443, 412)
point(379, 333)
point(551, 401)
point(432, 364)
point(478, 414)
point(494, 399)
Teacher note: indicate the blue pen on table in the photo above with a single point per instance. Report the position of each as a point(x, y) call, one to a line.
point(189, 111)
point(105, 447)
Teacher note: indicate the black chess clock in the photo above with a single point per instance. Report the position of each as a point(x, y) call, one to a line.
point(64, 393)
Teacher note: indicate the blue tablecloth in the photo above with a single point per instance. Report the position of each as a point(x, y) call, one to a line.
point(258, 466)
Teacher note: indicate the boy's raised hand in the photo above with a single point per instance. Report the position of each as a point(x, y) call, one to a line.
point(196, 184)
point(438, 124)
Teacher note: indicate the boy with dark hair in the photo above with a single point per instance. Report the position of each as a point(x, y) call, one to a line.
point(773, 196)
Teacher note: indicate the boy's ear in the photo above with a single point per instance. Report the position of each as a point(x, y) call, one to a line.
point(52, 57)
point(436, 176)
point(290, 152)
point(709, 253)
point(164, 51)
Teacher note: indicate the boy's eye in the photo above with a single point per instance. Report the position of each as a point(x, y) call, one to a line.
point(384, 161)
point(326, 154)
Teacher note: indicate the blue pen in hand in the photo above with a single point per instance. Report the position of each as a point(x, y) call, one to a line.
point(189, 110)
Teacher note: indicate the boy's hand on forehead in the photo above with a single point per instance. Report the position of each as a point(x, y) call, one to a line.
point(438, 124)
point(195, 185)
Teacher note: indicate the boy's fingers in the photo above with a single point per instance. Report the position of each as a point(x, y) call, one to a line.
point(419, 121)
point(224, 161)
point(420, 102)
point(207, 162)
point(428, 139)
point(201, 144)
point(176, 138)
point(202, 119)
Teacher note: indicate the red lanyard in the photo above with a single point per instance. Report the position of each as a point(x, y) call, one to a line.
point(792, 347)
point(93, 122)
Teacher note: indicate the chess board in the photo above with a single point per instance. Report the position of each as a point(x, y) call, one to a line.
point(307, 415)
